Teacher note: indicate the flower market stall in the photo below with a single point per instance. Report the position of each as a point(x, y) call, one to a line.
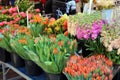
point(80, 46)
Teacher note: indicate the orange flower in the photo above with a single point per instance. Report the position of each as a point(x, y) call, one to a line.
point(22, 41)
point(65, 24)
point(55, 51)
point(61, 43)
point(24, 30)
point(66, 33)
point(16, 25)
point(46, 21)
point(37, 18)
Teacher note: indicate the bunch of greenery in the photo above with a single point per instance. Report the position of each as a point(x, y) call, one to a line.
point(23, 5)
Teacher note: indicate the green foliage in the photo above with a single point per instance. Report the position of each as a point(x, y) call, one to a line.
point(36, 29)
point(18, 47)
point(23, 5)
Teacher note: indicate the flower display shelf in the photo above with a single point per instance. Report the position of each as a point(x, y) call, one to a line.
point(21, 71)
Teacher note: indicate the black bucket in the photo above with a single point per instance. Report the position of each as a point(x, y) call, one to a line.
point(55, 76)
point(17, 61)
point(4, 55)
point(32, 68)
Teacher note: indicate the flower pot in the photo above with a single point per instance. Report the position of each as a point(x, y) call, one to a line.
point(117, 71)
point(107, 15)
point(55, 76)
point(4, 55)
point(32, 68)
point(17, 61)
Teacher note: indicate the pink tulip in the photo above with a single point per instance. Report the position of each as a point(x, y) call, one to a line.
point(8, 23)
point(17, 19)
point(14, 14)
point(23, 14)
point(14, 9)
point(1, 30)
point(10, 11)
point(4, 11)
point(37, 10)
point(5, 22)
point(1, 24)
point(31, 21)
point(29, 16)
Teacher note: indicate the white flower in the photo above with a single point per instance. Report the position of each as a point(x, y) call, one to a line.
point(110, 48)
point(118, 52)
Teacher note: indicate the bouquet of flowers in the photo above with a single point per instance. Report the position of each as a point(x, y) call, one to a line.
point(5, 35)
point(105, 4)
point(19, 40)
point(38, 25)
point(51, 53)
point(96, 67)
point(87, 29)
point(110, 37)
point(57, 26)
point(81, 20)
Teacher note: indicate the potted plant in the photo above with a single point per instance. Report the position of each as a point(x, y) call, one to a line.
point(51, 53)
point(96, 67)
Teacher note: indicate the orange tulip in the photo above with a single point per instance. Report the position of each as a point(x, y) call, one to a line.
point(55, 51)
point(66, 33)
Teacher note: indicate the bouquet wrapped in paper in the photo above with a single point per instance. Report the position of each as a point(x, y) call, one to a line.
point(51, 53)
point(19, 40)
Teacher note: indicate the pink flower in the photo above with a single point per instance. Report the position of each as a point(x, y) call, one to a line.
point(37, 10)
point(4, 22)
point(4, 11)
point(8, 23)
point(86, 36)
point(14, 9)
point(94, 36)
point(29, 16)
point(10, 10)
point(1, 30)
point(17, 19)
point(23, 14)
point(31, 21)
point(1, 24)
point(14, 14)
point(79, 33)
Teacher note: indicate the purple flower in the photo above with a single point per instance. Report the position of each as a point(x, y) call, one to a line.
point(94, 36)
point(86, 36)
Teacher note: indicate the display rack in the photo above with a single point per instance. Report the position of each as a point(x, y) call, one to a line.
point(20, 71)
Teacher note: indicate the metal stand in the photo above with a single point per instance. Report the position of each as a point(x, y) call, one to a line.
point(22, 75)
